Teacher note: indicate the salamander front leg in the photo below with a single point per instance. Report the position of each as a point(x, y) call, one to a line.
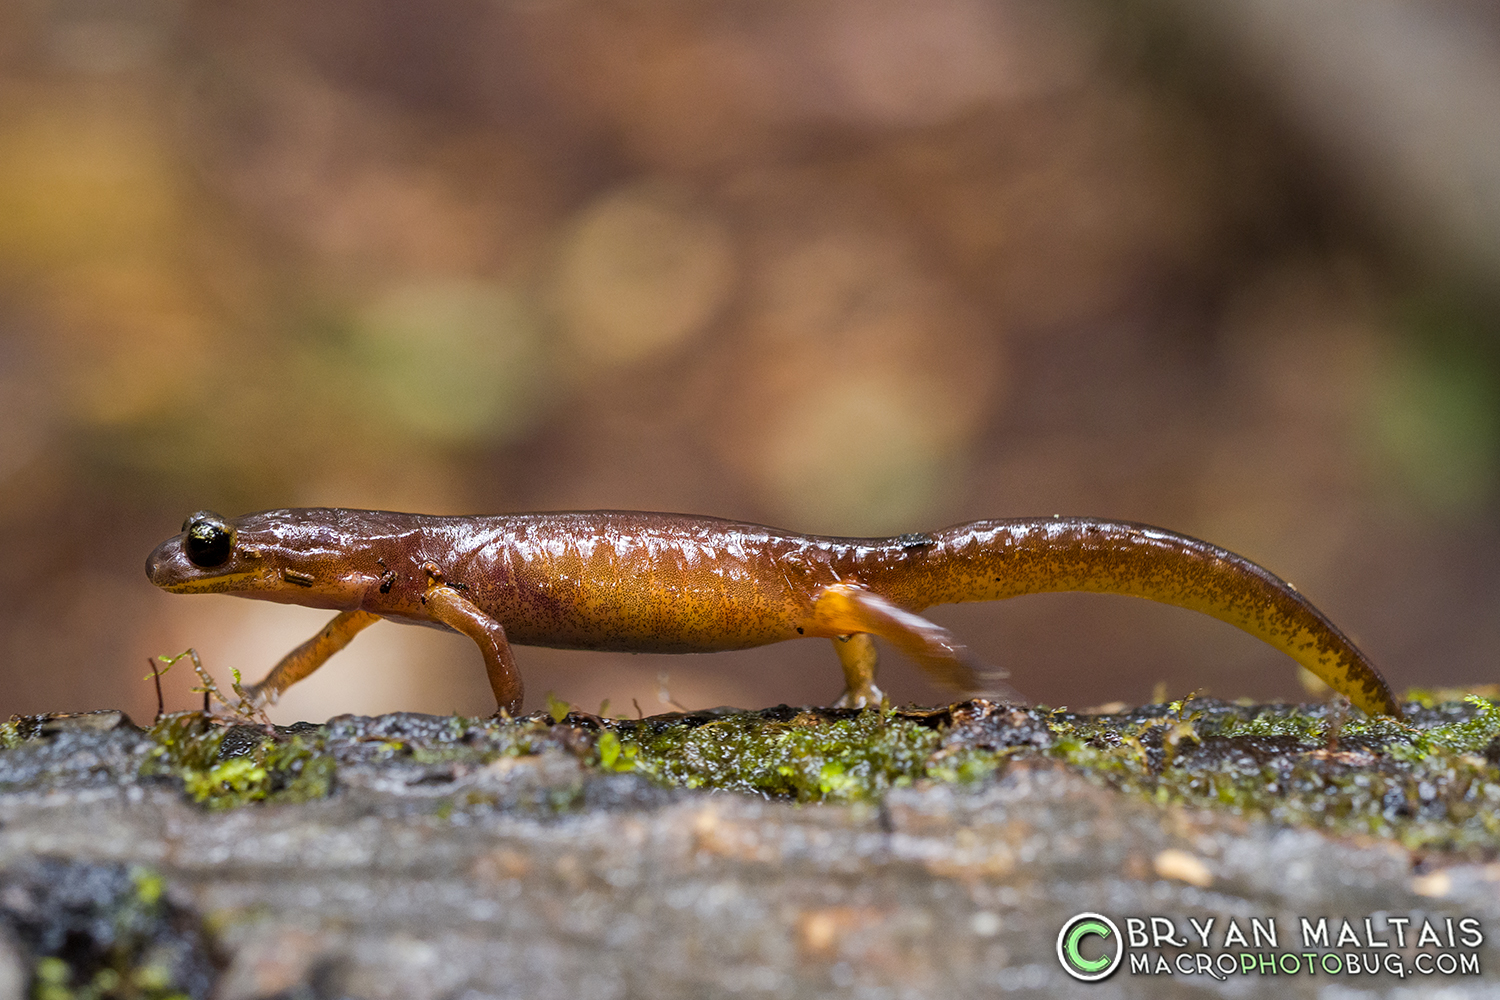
point(445, 604)
point(309, 656)
point(858, 658)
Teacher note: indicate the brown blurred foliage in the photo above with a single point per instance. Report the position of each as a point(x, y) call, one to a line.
point(847, 266)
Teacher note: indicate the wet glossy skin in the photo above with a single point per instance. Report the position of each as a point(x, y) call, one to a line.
point(675, 583)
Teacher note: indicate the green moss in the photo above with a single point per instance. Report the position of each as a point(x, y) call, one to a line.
point(184, 740)
point(1472, 734)
point(1424, 784)
point(808, 755)
point(10, 734)
point(226, 767)
point(273, 768)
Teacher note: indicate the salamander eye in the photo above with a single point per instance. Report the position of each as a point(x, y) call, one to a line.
point(209, 540)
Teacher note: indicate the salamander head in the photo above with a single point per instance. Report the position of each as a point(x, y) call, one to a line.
point(289, 556)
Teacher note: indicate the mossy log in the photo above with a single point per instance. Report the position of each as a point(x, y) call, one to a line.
point(783, 853)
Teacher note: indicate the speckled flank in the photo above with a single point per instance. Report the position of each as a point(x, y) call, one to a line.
point(676, 583)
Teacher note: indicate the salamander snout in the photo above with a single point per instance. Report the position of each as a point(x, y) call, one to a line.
point(166, 565)
point(153, 566)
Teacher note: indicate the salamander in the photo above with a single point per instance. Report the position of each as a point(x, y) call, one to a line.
point(676, 583)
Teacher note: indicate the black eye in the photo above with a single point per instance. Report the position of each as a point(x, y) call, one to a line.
point(209, 540)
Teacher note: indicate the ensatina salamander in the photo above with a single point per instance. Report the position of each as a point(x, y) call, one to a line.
point(675, 583)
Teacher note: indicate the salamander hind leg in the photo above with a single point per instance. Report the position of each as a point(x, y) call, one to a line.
point(845, 608)
point(446, 605)
point(858, 658)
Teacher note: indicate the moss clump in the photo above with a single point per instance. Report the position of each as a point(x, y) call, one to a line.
point(11, 734)
point(274, 766)
point(1431, 784)
point(809, 755)
point(223, 765)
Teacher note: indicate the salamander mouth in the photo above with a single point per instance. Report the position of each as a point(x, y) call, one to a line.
point(228, 583)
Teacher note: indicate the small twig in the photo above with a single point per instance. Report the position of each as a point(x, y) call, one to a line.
point(161, 706)
point(638, 713)
point(1338, 710)
point(664, 694)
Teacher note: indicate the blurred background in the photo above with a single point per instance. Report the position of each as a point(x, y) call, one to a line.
point(842, 266)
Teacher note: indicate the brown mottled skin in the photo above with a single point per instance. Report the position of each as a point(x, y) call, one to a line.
point(674, 583)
